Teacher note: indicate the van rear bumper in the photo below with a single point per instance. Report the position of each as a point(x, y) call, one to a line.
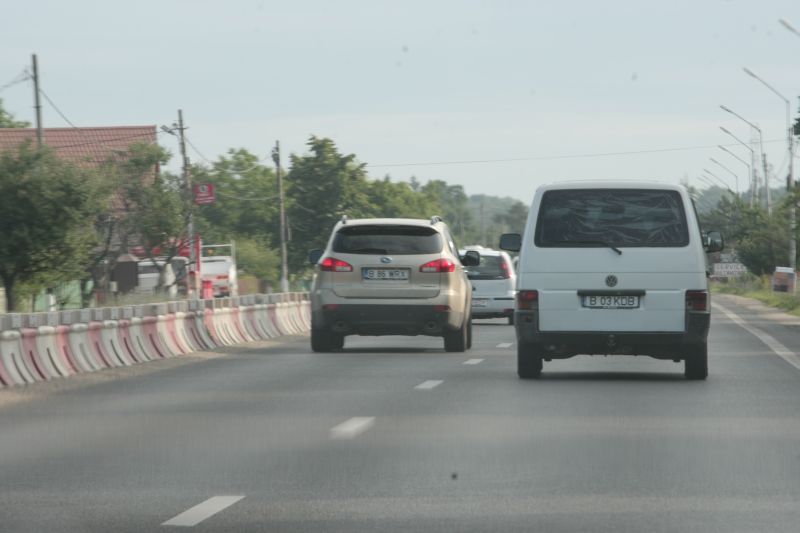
point(658, 344)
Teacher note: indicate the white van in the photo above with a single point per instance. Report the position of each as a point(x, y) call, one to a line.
point(612, 267)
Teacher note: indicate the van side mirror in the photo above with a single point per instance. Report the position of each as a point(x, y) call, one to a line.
point(471, 259)
point(511, 242)
point(715, 242)
point(314, 255)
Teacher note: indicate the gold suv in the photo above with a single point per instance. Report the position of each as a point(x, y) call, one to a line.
point(391, 276)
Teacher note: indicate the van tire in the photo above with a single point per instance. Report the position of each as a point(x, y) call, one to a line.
point(456, 341)
point(696, 362)
point(322, 340)
point(510, 320)
point(529, 361)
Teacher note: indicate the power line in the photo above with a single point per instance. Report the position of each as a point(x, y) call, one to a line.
point(22, 76)
point(62, 115)
point(555, 157)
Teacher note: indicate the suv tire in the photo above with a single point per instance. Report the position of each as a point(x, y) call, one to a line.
point(529, 361)
point(322, 340)
point(457, 340)
point(696, 362)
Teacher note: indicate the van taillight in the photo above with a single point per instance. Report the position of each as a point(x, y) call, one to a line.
point(439, 265)
point(697, 300)
point(527, 299)
point(331, 264)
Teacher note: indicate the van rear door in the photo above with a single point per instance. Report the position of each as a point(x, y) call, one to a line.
point(613, 260)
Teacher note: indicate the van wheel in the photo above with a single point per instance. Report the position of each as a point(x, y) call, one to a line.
point(529, 361)
point(322, 340)
point(696, 362)
point(456, 341)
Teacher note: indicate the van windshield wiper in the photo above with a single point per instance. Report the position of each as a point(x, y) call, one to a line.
point(602, 243)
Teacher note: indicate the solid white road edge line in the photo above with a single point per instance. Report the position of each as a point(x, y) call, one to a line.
point(431, 383)
point(198, 513)
point(352, 427)
point(774, 344)
point(472, 362)
point(505, 345)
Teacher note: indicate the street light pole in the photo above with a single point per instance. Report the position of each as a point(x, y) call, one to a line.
point(276, 158)
point(736, 176)
point(753, 177)
point(763, 155)
point(790, 175)
point(724, 185)
point(745, 163)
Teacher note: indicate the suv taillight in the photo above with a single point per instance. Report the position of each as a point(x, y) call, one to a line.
point(439, 265)
point(527, 300)
point(697, 300)
point(506, 270)
point(331, 264)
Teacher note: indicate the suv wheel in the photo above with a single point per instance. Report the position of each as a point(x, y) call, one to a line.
point(456, 341)
point(323, 340)
point(696, 362)
point(529, 361)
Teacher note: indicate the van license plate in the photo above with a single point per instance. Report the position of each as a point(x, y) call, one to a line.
point(381, 274)
point(480, 302)
point(610, 302)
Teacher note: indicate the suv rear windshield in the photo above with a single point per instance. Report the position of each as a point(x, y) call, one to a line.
point(491, 267)
point(611, 217)
point(387, 239)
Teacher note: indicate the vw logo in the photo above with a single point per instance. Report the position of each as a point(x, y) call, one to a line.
point(386, 259)
point(611, 280)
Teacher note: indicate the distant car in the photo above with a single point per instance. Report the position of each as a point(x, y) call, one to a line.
point(391, 276)
point(493, 284)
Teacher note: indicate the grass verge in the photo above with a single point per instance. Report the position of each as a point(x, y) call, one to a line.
point(759, 288)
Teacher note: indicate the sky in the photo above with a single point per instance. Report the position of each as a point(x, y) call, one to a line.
point(497, 96)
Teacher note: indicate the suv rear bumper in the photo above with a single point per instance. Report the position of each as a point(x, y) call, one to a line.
point(563, 344)
point(382, 319)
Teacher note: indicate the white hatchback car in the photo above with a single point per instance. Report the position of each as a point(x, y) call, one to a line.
point(493, 284)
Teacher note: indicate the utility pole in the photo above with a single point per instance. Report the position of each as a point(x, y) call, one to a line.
point(790, 192)
point(37, 104)
point(187, 182)
point(276, 157)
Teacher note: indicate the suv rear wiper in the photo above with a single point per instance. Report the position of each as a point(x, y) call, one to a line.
point(604, 243)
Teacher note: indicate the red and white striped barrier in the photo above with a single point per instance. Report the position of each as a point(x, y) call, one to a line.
point(46, 346)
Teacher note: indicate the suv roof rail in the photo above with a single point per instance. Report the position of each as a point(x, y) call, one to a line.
point(435, 219)
point(344, 219)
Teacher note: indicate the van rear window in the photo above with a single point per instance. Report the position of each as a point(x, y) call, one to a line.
point(615, 217)
point(387, 239)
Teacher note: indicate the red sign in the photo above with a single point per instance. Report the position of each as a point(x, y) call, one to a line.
point(204, 194)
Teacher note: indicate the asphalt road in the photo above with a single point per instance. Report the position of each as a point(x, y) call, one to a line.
point(394, 434)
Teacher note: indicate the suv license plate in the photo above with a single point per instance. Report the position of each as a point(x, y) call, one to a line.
point(610, 302)
point(389, 274)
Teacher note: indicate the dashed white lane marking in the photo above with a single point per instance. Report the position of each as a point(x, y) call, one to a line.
point(505, 345)
point(472, 362)
point(352, 427)
point(431, 383)
point(774, 344)
point(201, 511)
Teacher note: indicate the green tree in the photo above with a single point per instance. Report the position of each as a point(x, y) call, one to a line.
point(453, 202)
point(46, 212)
point(321, 187)
point(7, 119)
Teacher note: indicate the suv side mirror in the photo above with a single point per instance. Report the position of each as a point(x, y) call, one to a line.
point(715, 242)
point(511, 242)
point(314, 255)
point(471, 259)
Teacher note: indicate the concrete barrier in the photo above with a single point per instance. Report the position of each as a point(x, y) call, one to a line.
point(45, 346)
